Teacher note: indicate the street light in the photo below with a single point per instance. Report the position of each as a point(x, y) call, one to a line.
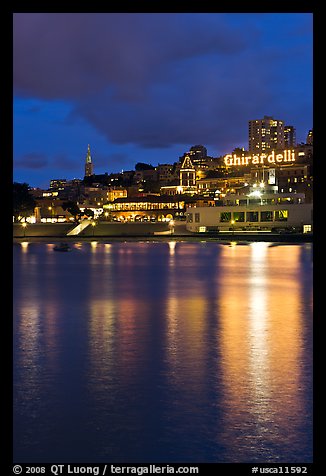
point(171, 225)
point(232, 223)
point(24, 225)
point(51, 210)
point(93, 225)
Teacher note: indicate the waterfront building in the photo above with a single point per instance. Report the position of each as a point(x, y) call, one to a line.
point(214, 186)
point(89, 168)
point(150, 208)
point(266, 134)
point(52, 214)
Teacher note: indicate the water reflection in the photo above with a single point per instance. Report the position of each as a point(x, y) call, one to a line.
point(262, 344)
point(172, 245)
point(171, 351)
point(24, 245)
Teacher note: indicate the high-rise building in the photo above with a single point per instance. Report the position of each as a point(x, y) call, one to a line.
point(289, 137)
point(198, 154)
point(89, 169)
point(266, 134)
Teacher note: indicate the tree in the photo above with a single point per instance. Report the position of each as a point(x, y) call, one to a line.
point(150, 186)
point(142, 166)
point(89, 212)
point(23, 201)
point(72, 208)
point(239, 150)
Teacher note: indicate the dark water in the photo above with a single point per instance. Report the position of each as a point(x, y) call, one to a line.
point(163, 352)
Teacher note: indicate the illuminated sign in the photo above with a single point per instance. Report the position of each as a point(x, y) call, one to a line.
point(260, 159)
point(271, 177)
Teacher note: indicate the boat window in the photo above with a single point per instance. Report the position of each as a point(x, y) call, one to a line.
point(266, 216)
point(239, 216)
point(281, 215)
point(252, 216)
point(225, 217)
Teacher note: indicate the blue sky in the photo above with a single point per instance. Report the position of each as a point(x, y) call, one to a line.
point(145, 87)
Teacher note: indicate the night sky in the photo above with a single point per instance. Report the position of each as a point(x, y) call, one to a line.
point(145, 87)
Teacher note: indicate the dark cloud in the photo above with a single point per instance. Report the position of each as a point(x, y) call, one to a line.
point(156, 81)
point(196, 106)
point(70, 55)
point(118, 159)
point(151, 79)
point(63, 162)
point(32, 161)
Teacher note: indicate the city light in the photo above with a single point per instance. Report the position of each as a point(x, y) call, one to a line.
point(24, 225)
point(255, 193)
point(24, 245)
point(256, 159)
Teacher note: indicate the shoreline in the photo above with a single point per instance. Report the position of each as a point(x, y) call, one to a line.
point(288, 238)
point(104, 232)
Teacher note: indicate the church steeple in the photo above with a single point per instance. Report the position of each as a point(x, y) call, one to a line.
point(89, 164)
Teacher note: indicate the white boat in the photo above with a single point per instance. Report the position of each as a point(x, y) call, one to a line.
point(256, 212)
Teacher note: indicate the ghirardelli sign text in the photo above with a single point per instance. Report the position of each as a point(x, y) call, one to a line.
point(274, 157)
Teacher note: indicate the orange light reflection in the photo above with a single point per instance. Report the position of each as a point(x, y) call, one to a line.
point(261, 337)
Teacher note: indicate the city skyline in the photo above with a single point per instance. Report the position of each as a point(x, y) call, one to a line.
point(146, 87)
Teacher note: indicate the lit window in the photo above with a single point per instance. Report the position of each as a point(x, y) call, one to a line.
point(239, 216)
point(281, 215)
point(225, 217)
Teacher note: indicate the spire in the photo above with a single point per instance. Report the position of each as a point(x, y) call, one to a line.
point(88, 157)
point(89, 164)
